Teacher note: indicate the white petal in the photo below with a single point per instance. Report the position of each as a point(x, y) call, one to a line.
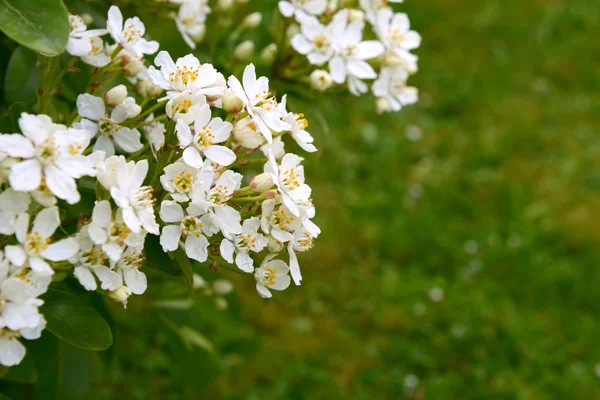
point(294, 266)
point(227, 248)
point(113, 250)
point(103, 143)
point(86, 278)
point(128, 139)
point(263, 291)
point(244, 262)
point(61, 250)
point(102, 214)
point(171, 211)
point(61, 184)
point(16, 145)
point(192, 157)
point(46, 222)
point(26, 176)
point(110, 280)
point(11, 351)
point(90, 107)
point(169, 237)
point(220, 154)
point(15, 255)
point(195, 247)
point(338, 69)
point(184, 133)
point(40, 267)
point(135, 280)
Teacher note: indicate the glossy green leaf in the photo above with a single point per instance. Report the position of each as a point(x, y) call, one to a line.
point(71, 318)
point(41, 25)
point(22, 77)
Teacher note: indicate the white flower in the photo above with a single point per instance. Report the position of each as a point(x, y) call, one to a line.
point(12, 350)
point(393, 29)
point(129, 35)
point(351, 53)
point(180, 180)
point(190, 20)
point(191, 226)
point(134, 199)
point(86, 43)
point(109, 126)
point(301, 8)
point(185, 76)
point(289, 179)
point(298, 124)
point(242, 244)
point(112, 235)
point(278, 221)
point(128, 269)
point(214, 200)
point(315, 40)
point(11, 205)
point(302, 241)
point(246, 133)
point(34, 246)
point(50, 152)
point(258, 102)
point(320, 80)
point(203, 141)
point(391, 86)
point(272, 274)
point(91, 260)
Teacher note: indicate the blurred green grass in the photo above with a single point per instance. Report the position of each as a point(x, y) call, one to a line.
point(489, 190)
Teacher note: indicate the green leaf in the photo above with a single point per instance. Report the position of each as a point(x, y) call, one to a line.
point(186, 267)
point(72, 319)
point(9, 123)
point(41, 25)
point(22, 77)
point(157, 259)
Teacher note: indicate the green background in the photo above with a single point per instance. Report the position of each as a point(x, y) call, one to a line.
point(496, 203)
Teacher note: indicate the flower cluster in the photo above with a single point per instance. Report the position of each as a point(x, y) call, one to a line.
point(203, 167)
point(334, 38)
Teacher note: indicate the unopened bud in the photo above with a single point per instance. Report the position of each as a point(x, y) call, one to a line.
point(115, 96)
point(320, 80)
point(244, 50)
point(147, 89)
point(247, 134)
point(224, 5)
point(232, 103)
point(87, 18)
point(198, 35)
point(261, 183)
point(252, 20)
point(382, 105)
point(274, 245)
point(121, 294)
point(131, 65)
point(356, 15)
point(267, 55)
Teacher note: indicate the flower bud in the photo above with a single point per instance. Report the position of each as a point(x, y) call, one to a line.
point(224, 5)
point(87, 18)
point(232, 103)
point(244, 50)
point(121, 294)
point(382, 105)
point(274, 245)
point(147, 89)
point(320, 80)
point(247, 134)
point(131, 65)
point(261, 183)
point(198, 35)
point(356, 15)
point(252, 20)
point(267, 55)
point(271, 194)
point(115, 96)
point(222, 287)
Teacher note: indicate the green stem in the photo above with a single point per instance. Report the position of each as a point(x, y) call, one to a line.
point(151, 109)
point(246, 199)
point(144, 123)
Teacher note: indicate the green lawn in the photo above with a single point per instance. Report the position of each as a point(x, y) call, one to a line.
point(488, 190)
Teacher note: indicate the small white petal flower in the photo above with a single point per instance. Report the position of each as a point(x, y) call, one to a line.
point(298, 124)
point(11, 205)
point(204, 139)
point(391, 86)
point(299, 9)
point(242, 244)
point(108, 126)
point(34, 246)
point(272, 274)
point(190, 20)
point(181, 180)
point(91, 262)
point(289, 179)
point(128, 269)
point(85, 43)
point(258, 102)
point(50, 153)
point(129, 34)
